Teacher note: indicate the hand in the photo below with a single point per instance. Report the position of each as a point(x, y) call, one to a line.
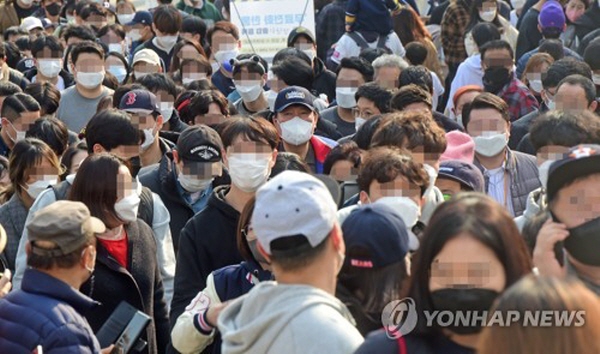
point(348, 28)
point(109, 350)
point(213, 312)
point(5, 284)
point(544, 257)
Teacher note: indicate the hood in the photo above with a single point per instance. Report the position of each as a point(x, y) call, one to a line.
point(253, 322)
point(473, 63)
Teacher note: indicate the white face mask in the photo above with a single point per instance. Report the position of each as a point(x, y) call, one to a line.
point(311, 53)
point(249, 90)
point(296, 131)
point(488, 15)
point(358, 122)
point(138, 75)
point(517, 4)
point(543, 170)
point(134, 35)
point(432, 173)
point(551, 105)
point(596, 79)
point(344, 97)
point(271, 97)
point(490, 143)
point(119, 72)
point(90, 80)
point(19, 135)
point(224, 56)
point(50, 68)
point(166, 110)
point(115, 47)
point(167, 42)
point(149, 138)
point(127, 208)
point(193, 184)
point(470, 45)
point(536, 85)
point(249, 171)
point(408, 210)
point(125, 18)
point(36, 188)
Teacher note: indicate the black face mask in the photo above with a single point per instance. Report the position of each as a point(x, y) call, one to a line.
point(53, 9)
point(495, 78)
point(458, 299)
point(583, 242)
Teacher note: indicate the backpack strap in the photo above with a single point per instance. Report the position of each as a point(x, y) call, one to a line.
point(61, 190)
point(360, 41)
point(381, 41)
point(146, 209)
point(401, 345)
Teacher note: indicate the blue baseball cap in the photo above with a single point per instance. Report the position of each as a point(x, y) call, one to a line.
point(293, 95)
point(139, 100)
point(375, 236)
point(141, 17)
point(464, 173)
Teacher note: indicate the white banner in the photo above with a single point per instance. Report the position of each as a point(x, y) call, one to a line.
point(265, 24)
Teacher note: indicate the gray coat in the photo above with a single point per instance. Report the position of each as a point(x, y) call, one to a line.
point(12, 217)
point(524, 178)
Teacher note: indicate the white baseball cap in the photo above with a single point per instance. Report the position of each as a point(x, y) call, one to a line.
point(293, 203)
point(30, 23)
point(146, 55)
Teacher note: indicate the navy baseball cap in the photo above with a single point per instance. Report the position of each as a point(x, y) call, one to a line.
point(141, 17)
point(293, 95)
point(579, 161)
point(136, 100)
point(375, 236)
point(464, 173)
point(200, 143)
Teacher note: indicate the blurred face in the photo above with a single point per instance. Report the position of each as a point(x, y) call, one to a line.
point(223, 41)
point(126, 185)
point(448, 187)
point(252, 149)
point(534, 78)
point(143, 67)
point(188, 52)
point(365, 108)
point(571, 98)
point(497, 58)
point(43, 171)
point(349, 78)
point(578, 202)
point(465, 261)
point(387, 77)
point(193, 71)
point(400, 187)
point(487, 120)
point(574, 10)
point(89, 63)
point(343, 171)
point(212, 117)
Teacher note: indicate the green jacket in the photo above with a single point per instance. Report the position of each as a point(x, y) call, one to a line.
point(208, 12)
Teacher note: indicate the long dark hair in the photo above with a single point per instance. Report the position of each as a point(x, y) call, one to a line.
point(100, 197)
point(483, 219)
point(409, 27)
point(477, 4)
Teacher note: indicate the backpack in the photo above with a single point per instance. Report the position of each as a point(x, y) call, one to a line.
point(362, 43)
point(145, 211)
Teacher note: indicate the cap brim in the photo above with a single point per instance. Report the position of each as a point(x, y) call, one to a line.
point(132, 23)
point(145, 60)
point(295, 103)
point(570, 171)
point(96, 225)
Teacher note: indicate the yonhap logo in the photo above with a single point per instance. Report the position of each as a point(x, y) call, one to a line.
point(399, 317)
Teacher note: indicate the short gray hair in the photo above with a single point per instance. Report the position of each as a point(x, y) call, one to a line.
point(389, 61)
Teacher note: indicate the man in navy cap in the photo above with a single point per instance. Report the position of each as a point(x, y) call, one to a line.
point(573, 194)
point(139, 30)
point(143, 108)
point(455, 176)
point(295, 120)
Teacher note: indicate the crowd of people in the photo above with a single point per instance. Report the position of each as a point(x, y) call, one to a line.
point(439, 154)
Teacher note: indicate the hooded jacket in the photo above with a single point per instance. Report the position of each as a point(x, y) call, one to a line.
point(469, 73)
point(286, 318)
point(324, 81)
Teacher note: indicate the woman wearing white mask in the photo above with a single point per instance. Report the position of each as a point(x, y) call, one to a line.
point(116, 64)
point(249, 78)
point(185, 49)
point(33, 167)
point(126, 264)
point(191, 70)
point(487, 11)
point(535, 69)
point(125, 11)
point(113, 36)
point(510, 175)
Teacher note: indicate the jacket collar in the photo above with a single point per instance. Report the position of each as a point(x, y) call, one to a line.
point(37, 282)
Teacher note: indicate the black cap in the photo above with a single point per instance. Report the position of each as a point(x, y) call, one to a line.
point(293, 95)
point(579, 161)
point(298, 31)
point(200, 143)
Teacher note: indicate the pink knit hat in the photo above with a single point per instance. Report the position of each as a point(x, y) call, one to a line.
point(460, 146)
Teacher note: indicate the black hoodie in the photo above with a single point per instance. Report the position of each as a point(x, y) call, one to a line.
point(324, 81)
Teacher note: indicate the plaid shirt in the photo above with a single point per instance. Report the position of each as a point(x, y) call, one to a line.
point(519, 99)
point(330, 26)
point(454, 23)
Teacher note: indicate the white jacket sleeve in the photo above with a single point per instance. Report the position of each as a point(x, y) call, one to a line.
point(165, 253)
point(185, 337)
point(46, 198)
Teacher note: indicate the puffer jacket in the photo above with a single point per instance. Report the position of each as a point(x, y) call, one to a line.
point(46, 312)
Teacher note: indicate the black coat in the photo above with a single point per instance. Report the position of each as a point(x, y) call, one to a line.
point(140, 285)
point(66, 76)
point(324, 81)
point(206, 243)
